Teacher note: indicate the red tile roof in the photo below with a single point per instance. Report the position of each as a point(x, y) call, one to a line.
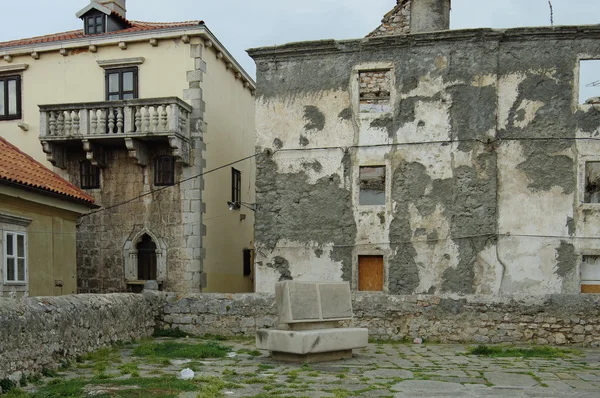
point(136, 26)
point(19, 168)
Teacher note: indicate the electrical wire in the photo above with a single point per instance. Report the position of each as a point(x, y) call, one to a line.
point(343, 148)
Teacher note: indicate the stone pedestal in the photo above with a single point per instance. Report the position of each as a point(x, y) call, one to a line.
point(312, 312)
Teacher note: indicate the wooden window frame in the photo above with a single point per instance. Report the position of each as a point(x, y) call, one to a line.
point(121, 92)
point(164, 176)
point(5, 95)
point(89, 175)
point(236, 186)
point(15, 256)
point(95, 24)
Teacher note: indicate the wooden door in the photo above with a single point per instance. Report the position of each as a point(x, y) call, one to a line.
point(370, 273)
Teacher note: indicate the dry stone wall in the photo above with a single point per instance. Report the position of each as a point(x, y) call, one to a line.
point(41, 332)
point(551, 319)
point(37, 333)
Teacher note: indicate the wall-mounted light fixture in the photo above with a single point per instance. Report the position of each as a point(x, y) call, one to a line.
point(238, 205)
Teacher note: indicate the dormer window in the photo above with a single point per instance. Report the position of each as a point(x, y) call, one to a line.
point(94, 24)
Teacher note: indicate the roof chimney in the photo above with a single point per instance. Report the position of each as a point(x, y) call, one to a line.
point(429, 16)
point(415, 16)
point(117, 6)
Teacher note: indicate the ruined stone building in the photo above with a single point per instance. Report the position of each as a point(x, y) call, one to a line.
point(427, 160)
point(135, 113)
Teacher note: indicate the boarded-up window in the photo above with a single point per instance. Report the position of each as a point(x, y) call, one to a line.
point(374, 91)
point(590, 274)
point(592, 182)
point(589, 81)
point(370, 273)
point(372, 185)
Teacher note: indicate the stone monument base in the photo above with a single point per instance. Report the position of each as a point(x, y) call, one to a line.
point(311, 345)
point(311, 358)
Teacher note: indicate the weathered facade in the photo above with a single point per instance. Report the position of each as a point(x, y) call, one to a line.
point(137, 114)
point(459, 167)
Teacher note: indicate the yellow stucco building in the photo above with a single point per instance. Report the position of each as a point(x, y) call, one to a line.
point(38, 215)
point(150, 120)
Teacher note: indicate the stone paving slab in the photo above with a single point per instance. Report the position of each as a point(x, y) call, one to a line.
point(380, 370)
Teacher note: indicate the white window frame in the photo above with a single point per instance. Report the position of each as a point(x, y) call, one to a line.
point(15, 256)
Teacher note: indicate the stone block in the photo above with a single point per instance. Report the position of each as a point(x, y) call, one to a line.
point(299, 302)
point(192, 94)
point(200, 64)
point(195, 51)
point(194, 76)
point(311, 341)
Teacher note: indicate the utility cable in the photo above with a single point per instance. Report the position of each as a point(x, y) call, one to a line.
point(343, 148)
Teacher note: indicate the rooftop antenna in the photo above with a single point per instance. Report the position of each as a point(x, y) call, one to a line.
point(551, 13)
point(593, 84)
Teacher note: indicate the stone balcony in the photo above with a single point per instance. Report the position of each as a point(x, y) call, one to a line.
point(132, 123)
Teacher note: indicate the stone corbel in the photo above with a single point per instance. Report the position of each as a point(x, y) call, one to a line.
point(55, 154)
point(138, 151)
point(180, 149)
point(94, 153)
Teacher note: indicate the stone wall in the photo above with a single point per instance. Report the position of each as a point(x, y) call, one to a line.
point(37, 333)
point(41, 332)
point(550, 319)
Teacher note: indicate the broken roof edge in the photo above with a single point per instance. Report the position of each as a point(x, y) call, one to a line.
point(316, 47)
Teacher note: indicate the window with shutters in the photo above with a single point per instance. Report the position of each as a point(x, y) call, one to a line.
point(236, 186)
point(164, 170)
point(89, 175)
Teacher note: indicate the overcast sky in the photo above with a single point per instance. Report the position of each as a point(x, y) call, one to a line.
point(243, 24)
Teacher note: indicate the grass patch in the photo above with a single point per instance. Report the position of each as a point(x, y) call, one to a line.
point(109, 354)
point(211, 349)
point(264, 366)
point(252, 353)
point(173, 333)
point(129, 368)
point(533, 352)
point(166, 387)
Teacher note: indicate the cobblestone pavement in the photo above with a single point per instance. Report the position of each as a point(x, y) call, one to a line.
point(380, 370)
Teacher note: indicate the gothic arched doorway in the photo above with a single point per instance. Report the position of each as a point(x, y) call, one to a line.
point(146, 259)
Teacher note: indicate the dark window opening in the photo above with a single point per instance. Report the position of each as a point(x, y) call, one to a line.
point(592, 182)
point(89, 175)
point(94, 24)
point(121, 84)
point(10, 97)
point(590, 274)
point(236, 186)
point(374, 91)
point(164, 170)
point(372, 185)
point(146, 256)
point(247, 262)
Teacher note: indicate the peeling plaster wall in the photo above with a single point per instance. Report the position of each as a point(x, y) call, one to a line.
point(483, 175)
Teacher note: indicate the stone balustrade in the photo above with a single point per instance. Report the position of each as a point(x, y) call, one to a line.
point(153, 116)
point(133, 121)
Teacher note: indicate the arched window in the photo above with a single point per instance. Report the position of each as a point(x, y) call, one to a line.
point(146, 257)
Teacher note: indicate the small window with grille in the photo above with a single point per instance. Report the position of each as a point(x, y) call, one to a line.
point(164, 170)
point(89, 175)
